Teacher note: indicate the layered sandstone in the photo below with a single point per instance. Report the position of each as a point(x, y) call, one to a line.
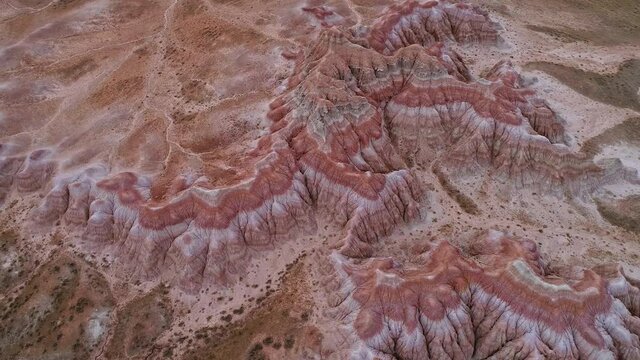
point(495, 123)
point(495, 302)
point(431, 108)
point(277, 180)
point(358, 113)
point(198, 232)
point(430, 22)
point(26, 173)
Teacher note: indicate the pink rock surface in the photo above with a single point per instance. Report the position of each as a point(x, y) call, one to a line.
point(184, 179)
point(426, 23)
point(342, 139)
point(495, 302)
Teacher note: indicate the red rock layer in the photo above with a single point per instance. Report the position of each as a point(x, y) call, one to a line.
point(499, 304)
point(427, 106)
point(495, 123)
point(342, 136)
point(200, 234)
point(430, 22)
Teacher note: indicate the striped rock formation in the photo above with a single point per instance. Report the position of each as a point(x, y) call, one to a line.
point(196, 232)
point(427, 23)
point(358, 113)
point(495, 123)
point(494, 303)
point(25, 173)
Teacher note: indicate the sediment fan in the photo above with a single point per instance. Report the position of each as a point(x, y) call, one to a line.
point(360, 110)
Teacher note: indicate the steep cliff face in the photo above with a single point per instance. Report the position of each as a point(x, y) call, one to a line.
point(494, 302)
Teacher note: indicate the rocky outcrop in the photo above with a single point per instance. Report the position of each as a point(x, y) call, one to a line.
point(430, 22)
point(429, 107)
point(9, 166)
point(199, 233)
point(358, 113)
point(495, 302)
point(25, 173)
point(494, 123)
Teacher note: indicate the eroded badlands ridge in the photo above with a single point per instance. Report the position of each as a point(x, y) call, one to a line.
point(497, 302)
point(322, 200)
point(426, 23)
point(360, 110)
